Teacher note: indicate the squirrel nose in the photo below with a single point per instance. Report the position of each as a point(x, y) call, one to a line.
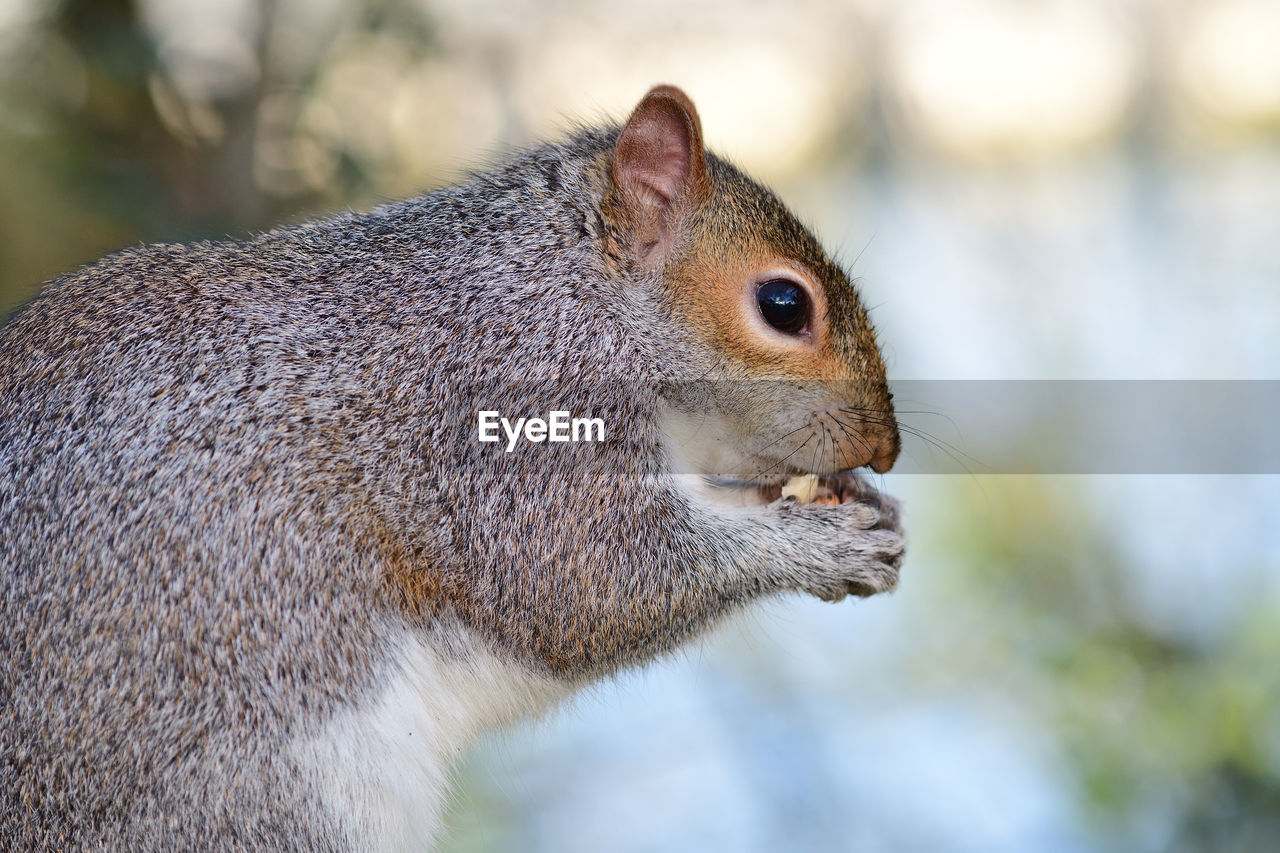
point(886, 451)
point(873, 444)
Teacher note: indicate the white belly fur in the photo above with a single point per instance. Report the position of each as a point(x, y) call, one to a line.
point(382, 769)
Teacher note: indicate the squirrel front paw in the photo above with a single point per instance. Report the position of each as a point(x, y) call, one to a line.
point(853, 545)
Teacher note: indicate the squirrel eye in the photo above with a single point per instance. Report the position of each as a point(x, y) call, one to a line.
point(784, 305)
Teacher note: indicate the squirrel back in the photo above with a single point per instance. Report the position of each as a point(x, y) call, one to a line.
point(260, 581)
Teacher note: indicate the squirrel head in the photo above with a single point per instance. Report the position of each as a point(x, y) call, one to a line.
point(790, 376)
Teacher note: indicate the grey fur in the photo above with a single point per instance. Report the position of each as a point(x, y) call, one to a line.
point(213, 457)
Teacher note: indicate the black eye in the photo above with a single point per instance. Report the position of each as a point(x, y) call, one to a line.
point(784, 305)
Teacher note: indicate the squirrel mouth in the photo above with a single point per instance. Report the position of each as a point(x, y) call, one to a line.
point(825, 490)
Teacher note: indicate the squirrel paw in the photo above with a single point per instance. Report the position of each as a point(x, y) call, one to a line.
point(856, 545)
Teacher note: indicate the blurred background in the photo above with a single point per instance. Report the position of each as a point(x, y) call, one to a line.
point(1027, 189)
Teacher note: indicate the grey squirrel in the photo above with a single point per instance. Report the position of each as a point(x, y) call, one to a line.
point(260, 582)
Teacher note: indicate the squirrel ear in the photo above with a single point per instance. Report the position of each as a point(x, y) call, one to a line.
point(659, 167)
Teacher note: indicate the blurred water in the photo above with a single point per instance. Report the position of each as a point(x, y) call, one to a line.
point(924, 721)
point(1106, 268)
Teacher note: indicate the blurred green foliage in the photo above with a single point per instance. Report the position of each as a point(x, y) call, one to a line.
point(89, 162)
point(1170, 731)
